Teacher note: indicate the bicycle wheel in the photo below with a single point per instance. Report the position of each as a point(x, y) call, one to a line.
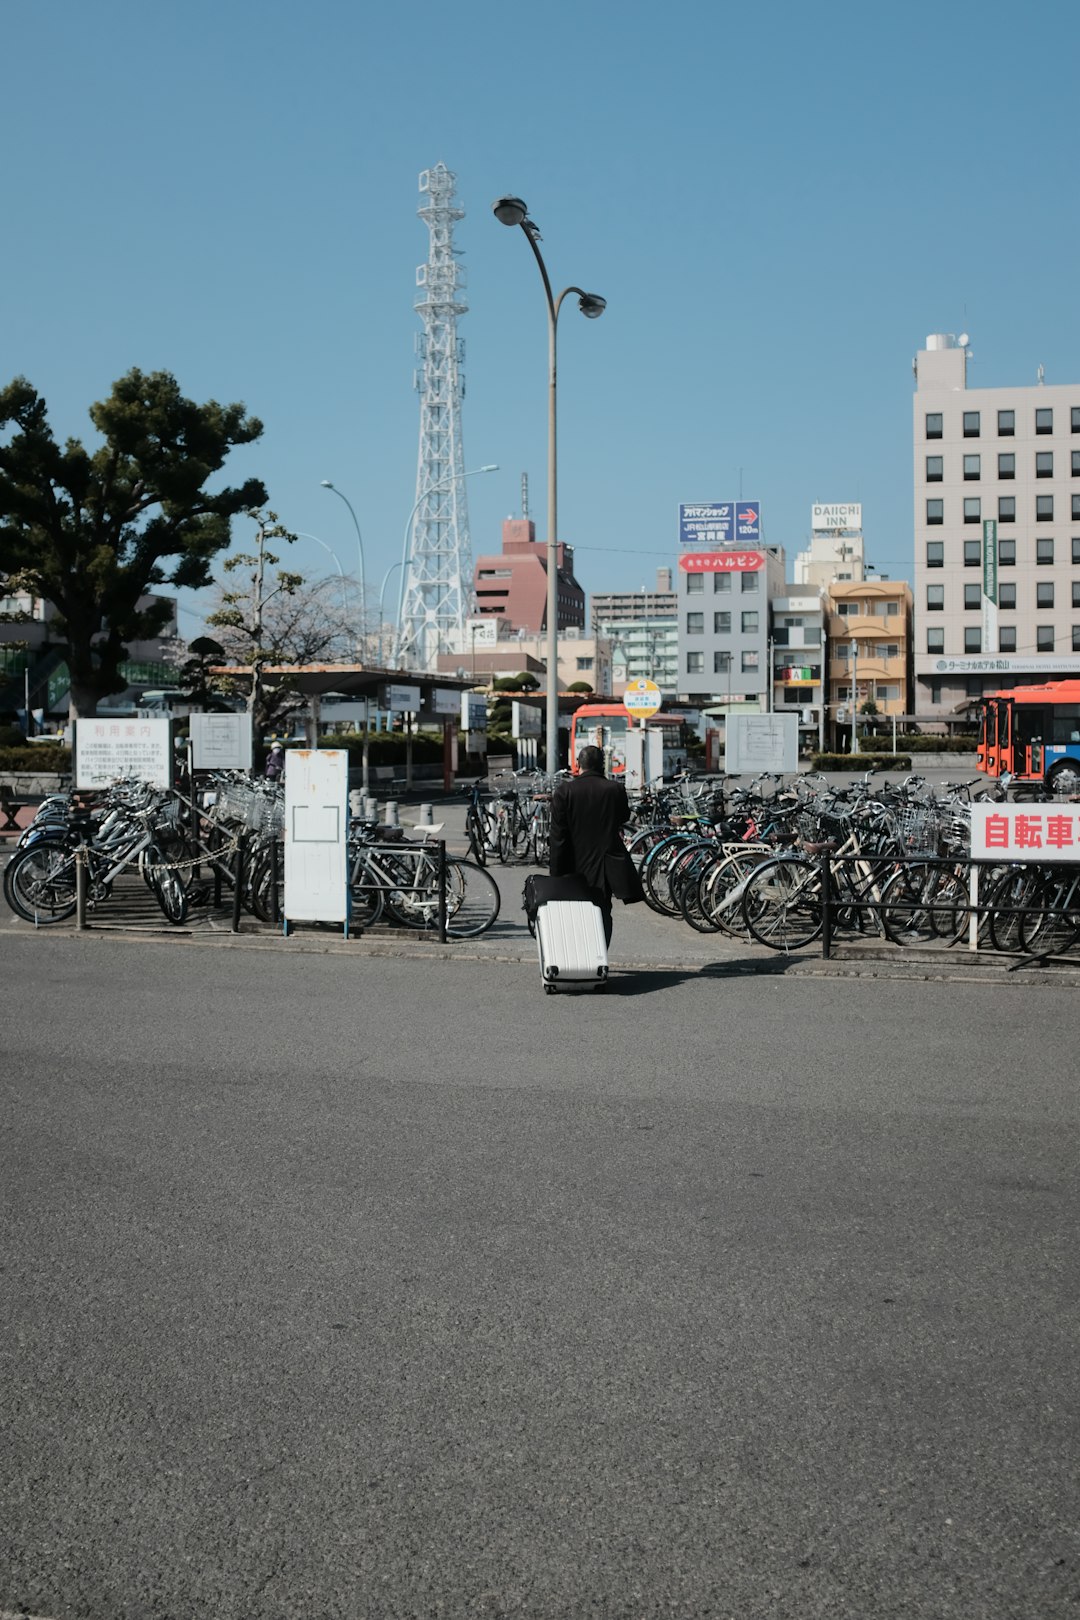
point(474, 831)
point(472, 900)
point(39, 883)
point(781, 904)
point(721, 891)
point(1015, 893)
point(656, 873)
point(1054, 926)
point(924, 905)
point(366, 899)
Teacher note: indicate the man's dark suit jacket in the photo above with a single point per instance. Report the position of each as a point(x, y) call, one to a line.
point(586, 814)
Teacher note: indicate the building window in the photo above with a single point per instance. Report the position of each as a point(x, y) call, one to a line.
point(749, 623)
point(933, 425)
point(935, 641)
point(1007, 464)
point(1007, 596)
point(972, 468)
point(695, 624)
point(973, 639)
point(1006, 424)
point(972, 509)
point(1076, 548)
point(1044, 638)
point(695, 663)
point(749, 661)
point(751, 584)
point(972, 553)
point(721, 663)
point(1044, 464)
point(1044, 594)
point(721, 623)
point(1075, 415)
point(695, 584)
point(847, 609)
point(935, 511)
point(892, 610)
point(1044, 421)
point(584, 663)
point(935, 599)
point(971, 424)
point(1044, 509)
point(1006, 553)
point(888, 649)
point(1044, 552)
point(1076, 508)
point(1006, 508)
point(935, 691)
point(935, 554)
point(721, 584)
point(1007, 638)
point(935, 469)
point(1076, 463)
point(972, 597)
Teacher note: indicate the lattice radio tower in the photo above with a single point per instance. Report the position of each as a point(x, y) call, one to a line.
point(437, 586)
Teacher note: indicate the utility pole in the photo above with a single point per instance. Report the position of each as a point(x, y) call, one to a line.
point(854, 695)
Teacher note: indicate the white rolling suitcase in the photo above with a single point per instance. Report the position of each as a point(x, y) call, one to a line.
point(570, 935)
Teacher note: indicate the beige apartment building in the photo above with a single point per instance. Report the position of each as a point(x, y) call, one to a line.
point(869, 647)
point(997, 480)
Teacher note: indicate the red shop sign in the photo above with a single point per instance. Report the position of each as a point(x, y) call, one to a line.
point(721, 562)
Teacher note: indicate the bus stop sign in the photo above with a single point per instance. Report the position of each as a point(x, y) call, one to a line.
point(642, 698)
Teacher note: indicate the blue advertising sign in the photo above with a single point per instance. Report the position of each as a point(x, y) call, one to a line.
point(748, 520)
point(708, 523)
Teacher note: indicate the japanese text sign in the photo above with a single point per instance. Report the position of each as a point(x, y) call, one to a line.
point(1025, 832)
point(108, 749)
point(720, 562)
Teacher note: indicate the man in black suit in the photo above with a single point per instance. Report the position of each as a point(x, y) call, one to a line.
point(587, 813)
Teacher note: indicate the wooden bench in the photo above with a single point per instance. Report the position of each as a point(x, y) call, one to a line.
point(10, 807)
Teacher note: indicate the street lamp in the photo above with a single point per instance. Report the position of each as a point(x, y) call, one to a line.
point(326, 484)
point(440, 483)
point(512, 211)
point(341, 572)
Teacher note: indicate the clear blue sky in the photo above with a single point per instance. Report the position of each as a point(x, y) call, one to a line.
point(778, 201)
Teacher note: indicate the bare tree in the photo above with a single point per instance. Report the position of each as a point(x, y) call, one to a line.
point(272, 620)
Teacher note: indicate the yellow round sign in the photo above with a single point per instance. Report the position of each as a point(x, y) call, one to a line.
point(642, 698)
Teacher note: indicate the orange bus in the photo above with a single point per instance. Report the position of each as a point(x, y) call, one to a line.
point(1033, 732)
point(605, 725)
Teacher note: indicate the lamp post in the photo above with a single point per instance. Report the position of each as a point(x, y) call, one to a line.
point(326, 484)
point(382, 610)
point(440, 483)
point(512, 211)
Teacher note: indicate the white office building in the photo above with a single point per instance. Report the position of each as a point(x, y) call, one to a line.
point(997, 513)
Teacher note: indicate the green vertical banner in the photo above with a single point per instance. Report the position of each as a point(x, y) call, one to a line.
point(990, 560)
point(990, 587)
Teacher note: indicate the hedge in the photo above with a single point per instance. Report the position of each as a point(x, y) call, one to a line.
point(859, 762)
point(38, 757)
point(386, 747)
point(919, 745)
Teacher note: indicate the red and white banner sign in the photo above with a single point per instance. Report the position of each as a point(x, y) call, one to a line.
point(1025, 832)
point(721, 562)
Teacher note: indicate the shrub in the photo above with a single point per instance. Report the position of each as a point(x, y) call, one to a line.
point(860, 762)
point(919, 745)
point(39, 757)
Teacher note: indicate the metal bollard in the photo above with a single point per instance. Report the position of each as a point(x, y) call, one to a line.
point(371, 809)
point(391, 813)
point(426, 819)
point(356, 803)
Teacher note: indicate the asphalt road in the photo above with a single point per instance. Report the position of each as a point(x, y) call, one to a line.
point(341, 1287)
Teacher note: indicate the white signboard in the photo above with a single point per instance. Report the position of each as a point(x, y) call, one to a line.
point(1025, 832)
point(108, 749)
point(828, 517)
point(1029, 663)
point(400, 699)
point(481, 633)
point(221, 742)
point(445, 701)
point(316, 849)
point(525, 721)
point(473, 711)
point(644, 758)
point(762, 742)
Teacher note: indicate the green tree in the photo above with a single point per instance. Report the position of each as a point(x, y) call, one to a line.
point(93, 531)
